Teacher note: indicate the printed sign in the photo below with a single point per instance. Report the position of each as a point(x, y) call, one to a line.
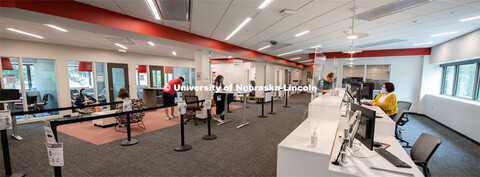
point(10, 79)
point(5, 120)
point(237, 63)
point(208, 103)
point(55, 154)
point(127, 105)
point(182, 108)
point(48, 132)
point(99, 77)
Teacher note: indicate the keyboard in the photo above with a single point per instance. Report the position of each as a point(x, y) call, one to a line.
point(392, 158)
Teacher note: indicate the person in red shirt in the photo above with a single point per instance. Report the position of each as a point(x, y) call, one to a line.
point(169, 95)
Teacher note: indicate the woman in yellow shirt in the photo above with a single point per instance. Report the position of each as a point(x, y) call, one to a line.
point(387, 100)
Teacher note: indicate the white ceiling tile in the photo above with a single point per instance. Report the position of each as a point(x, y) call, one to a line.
point(206, 14)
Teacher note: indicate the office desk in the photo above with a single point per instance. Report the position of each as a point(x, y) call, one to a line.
point(297, 158)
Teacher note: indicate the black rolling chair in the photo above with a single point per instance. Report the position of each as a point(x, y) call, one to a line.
point(192, 107)
point(397, 119)
point(423, 150)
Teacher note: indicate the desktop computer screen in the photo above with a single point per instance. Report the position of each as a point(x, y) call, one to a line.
point(366, 129)
point(367, 90)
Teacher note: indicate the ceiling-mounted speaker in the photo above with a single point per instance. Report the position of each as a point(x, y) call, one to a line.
point(288, 12)
point(174, 10)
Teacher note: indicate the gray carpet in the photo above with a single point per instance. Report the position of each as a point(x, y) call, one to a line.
point(249, 151)
point(456, 156)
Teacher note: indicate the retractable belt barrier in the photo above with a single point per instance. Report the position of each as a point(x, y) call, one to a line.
point(53, 124)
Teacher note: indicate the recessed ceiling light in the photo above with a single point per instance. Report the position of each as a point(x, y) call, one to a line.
point(352, 51)
point(264, 47)
point(229, 56)
point(25, 33)
point(468, 19)
point(290, 52)
point(122, 50)
point(174, 53)
point(296, 58)
point(56, 27)
point(305, 61)
point(120, 45)
point(443, 34)
point(265, 4)
point(302, 33)
point(153, 8)
point(424, 43)
point(317, 46)
point(238, 28)
point(151, 43)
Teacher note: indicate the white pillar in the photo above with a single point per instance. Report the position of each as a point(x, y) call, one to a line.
point(202, 67)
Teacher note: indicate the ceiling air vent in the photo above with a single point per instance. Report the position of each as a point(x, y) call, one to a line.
point(390, 41)
point(174, 10)
point(121, 40)
point(394, 7)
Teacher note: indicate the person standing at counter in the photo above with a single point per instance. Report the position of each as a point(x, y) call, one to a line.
point(220, 104)
point(169, 96)
point(387, 100)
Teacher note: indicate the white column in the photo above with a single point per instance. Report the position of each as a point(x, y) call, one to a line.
point(202, 67)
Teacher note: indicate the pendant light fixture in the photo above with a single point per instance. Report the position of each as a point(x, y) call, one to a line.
point(353, 35)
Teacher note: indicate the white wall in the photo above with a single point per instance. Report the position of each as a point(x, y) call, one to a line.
point(62, 54)
point(405, 73)
point(459, 114)
point(461, 48)
point(230, 73)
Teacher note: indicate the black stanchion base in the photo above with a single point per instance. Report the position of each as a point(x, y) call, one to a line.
point(129, 143)
point(286, 106)
point(262, 116)
point(18, 174)
point(209, 137)
point(272, 113)
point(182, 148)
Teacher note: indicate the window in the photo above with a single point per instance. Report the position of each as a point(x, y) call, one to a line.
point(377, 74)
point(449, 75)
point(461, 79)
point(466, 80)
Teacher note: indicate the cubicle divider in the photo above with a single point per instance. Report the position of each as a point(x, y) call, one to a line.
point(129, 141)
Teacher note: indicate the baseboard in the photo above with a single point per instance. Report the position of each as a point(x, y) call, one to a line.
point(462, 135)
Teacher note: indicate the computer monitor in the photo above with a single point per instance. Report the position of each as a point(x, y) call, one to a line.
point(355, 86)
point(353, 124)
point(358, 96)
point(367, 90)
point(366, 129)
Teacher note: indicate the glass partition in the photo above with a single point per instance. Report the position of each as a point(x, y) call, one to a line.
point(79, 80)
point(142, 82)
point(11, 80)
point(378, 74)
point(40, 85)
point(352, 74)
point(101, 84)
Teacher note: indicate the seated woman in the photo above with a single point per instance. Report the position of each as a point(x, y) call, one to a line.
point(84, 99)
point(122, 95)
point(327, 83)
point(387, 100)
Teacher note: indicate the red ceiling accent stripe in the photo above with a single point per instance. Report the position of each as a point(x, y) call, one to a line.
point(91, 14)
point(378, 53)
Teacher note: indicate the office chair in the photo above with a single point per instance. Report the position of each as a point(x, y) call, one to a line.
point(423, 150)
point(405, 105)
point(32, 104)
point(397, 119)
point(192, 107)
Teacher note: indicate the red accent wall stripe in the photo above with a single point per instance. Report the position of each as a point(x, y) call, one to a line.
point(378, 53)
point(91, 14)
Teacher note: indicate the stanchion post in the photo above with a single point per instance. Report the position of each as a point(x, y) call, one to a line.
point(183, 146)
point(209, 136)
point(286, 99)
point(271, 106)
point(263, 108)
point(129, 140)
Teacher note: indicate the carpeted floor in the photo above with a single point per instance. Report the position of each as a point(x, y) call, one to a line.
point(249, 151)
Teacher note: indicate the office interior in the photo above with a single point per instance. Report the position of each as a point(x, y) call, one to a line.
point(429, 50)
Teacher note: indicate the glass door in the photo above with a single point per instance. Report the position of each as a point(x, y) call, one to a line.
point(156, 75)
point(11, 80)
point(117, 79)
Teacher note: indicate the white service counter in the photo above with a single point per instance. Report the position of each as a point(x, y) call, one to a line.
point(296, 158)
